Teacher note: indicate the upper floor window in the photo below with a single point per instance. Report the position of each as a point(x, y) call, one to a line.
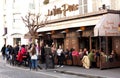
point(32, 4)
point(4, 19)
point(4, 1)
point(17, 20)
point(83, 6)
point(4, 5)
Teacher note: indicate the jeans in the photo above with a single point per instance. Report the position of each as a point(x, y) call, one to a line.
point(34, 63)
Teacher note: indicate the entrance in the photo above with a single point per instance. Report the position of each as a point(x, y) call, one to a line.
point(16, 41)
point(84, 42)
point(60, 41)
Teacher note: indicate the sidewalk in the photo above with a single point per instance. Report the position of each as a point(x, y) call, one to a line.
point(90, 73)
point(86, 73)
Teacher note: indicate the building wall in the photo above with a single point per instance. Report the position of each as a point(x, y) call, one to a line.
point(92, 6)
point(13, 10)
point(115, 4)
point(71, 41)
point(58, 4)
point(1, 24)
point(38, 7)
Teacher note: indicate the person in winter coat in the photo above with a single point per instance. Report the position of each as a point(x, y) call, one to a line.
point(48, 57)
point(3, 51)
point(19, 57)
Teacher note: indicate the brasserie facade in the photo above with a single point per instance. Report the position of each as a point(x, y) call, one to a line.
point(69, 27)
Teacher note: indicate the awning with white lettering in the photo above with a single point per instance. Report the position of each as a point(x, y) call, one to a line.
point(108, 25)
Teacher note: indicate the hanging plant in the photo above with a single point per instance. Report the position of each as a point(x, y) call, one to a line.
point(46, 2)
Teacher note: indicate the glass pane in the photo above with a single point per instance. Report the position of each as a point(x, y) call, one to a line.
point(85, 9)
point(80, 2)
point(80, 10)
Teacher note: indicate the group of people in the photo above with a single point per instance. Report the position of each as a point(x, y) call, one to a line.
point(50, 55)
point(88, 58)
point(17, 54)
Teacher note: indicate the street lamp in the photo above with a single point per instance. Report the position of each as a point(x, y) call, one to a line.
point(64, 33)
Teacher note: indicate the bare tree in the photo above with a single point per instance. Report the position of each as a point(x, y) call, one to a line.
point(33, 23)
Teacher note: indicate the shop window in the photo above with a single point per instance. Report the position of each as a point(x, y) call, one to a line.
point(106, 44)
point(103, 44)
point(95, 43)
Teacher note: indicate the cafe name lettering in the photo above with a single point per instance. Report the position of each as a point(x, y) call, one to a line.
point(63, 9)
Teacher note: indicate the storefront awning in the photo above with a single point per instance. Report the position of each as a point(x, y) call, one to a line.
point(71, 24)
point(108, 25)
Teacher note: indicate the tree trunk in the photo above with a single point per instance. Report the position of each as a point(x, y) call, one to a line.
point(33, 39)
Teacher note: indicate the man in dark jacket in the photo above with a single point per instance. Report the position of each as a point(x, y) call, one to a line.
point(3, 51)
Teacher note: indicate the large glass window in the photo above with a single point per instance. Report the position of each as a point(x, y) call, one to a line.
point(17, 20)
point(95, 5)
point(5, 21)
point(83, 6)
point(106, 44)
point(32, 4)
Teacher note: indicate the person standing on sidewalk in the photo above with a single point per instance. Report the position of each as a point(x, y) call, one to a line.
point(59, 56)
point(33, 57)
point(48, 57)
point(3, 51)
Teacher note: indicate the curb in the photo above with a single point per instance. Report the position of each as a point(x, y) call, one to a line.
point(79, 74)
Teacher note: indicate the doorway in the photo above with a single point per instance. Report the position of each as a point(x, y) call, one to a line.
point(84, 42)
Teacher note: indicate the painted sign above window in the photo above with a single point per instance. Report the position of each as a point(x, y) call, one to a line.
point(63, 9)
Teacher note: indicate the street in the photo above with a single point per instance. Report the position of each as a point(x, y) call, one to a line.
point(7, 71)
